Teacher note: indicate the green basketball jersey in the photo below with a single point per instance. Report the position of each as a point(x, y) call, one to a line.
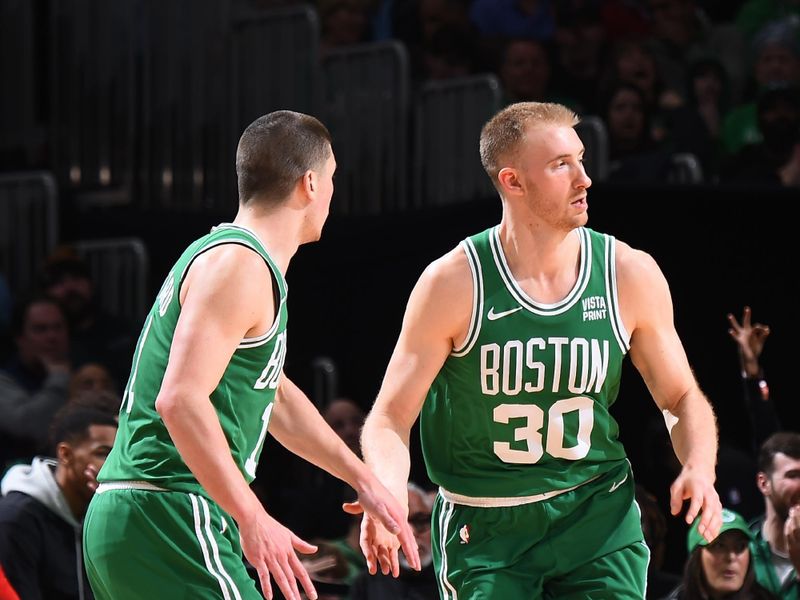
point(243, 400)
point(521, 408)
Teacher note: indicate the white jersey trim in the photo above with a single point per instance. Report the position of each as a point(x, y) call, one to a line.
point(445, 587)
point(612, 297)
point(477, 299)
point(505, 502)
point(107, 486)
point(540, 308)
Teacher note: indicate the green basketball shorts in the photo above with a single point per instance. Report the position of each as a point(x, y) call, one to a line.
point(585, 543)
point(141, 544)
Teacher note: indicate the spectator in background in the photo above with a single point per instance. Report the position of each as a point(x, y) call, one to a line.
point(34, 382)
point(722, 568)
point(775, 60)
point(634, 155)
point(96, 335)
point(524, 70)
point(774, 161)
point(750, 339)
point(43, 505)
point(754, 14)
point(91, 377)
point(343, 23)
point(696, 126)
point(450, 52)
point(682, 33)
point(411, 584)
point(534, 19)
point(776, 547)
point(580, 45)
point(654, 527)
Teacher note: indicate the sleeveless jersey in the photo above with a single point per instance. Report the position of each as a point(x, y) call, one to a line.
point(521, 408)
point(243, 400)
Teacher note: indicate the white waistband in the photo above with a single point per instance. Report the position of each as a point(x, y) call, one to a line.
point(128, 485)
point(503, 502)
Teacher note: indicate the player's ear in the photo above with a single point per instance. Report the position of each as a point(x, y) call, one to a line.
point(509, 181)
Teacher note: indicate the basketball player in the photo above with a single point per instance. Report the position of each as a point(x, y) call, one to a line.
point(512, 347)
point(174, 513)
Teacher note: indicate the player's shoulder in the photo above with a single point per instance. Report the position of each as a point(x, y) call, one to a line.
point(630, 260)
point(451, 270)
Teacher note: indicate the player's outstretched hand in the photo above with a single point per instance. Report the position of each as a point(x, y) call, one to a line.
point(698, 488)
point(384, 530)
point(272, 549)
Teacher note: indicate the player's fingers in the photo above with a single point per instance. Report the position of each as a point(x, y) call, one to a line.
point(303, 577)
point(714, 521)
point(695, 505)
point(384, 560)
point(387, 519)
point(284, 579)
point(266, 584)
point(303, 546)
point(395, 563)
point(409, 545)
point(352, 508)
point(369, 554)
point(676, 498)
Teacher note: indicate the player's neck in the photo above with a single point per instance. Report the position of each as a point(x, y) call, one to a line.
point(278, 230)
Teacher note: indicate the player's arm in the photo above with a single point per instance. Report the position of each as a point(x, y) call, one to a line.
point(437, 316)
point(222, 302)
point(300, 428)
point(658, 354)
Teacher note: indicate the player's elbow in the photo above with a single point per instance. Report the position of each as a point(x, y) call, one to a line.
point(167, 404)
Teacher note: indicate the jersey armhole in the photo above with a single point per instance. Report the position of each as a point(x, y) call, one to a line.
point(477, 299)
point(612, 297)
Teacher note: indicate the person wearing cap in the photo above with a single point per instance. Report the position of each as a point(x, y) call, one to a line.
point(723, 567)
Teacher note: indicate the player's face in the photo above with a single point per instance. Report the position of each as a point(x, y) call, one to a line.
point(783, 486)
point(725, 563)
point(555, 180)
point(322, 201)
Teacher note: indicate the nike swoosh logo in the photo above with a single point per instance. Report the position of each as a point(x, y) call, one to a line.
point(614, 486)
point(493, 316)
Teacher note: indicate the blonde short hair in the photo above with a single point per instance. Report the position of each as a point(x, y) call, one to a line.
point(503, 133)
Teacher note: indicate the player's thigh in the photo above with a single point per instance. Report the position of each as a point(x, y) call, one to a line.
point(148, 545)
point(619, 575)
point(482, 553)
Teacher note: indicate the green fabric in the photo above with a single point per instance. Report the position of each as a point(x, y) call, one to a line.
point(243, 399)
point(586, 543)
point(522, 407)
point(761, 555)
point(141, 544)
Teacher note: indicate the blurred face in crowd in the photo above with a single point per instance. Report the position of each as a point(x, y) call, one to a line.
point(626, 118)
point(525, 71)
point(580, 48)
point(346, 22)
point(44, 335)
point(674, 20)
point(91, 377)
point(707, 86)
point(75, 456)
point(782, 487)
point(74, 293)
point(419, 515)
point(637, 67)
point(777, 63)
point(346, 419)
point(725, 562)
